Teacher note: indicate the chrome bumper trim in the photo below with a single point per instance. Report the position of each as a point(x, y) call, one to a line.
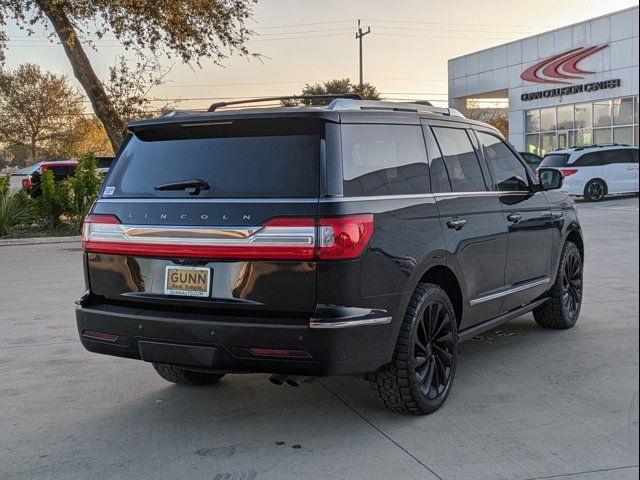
point(322, 323)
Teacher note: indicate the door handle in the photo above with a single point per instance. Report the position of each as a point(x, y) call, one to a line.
point(546, 214)
point(514, 217)
point(456, 223)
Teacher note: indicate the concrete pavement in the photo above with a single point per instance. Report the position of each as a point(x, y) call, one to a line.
point(526, 404)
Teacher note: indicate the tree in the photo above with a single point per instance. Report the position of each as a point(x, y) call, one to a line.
point(129, 85)
point(191, 30)
point(37, 108)
point(87, 136)
point(342, 85)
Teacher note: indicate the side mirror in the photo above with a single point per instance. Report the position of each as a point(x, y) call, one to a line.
point(550, 178)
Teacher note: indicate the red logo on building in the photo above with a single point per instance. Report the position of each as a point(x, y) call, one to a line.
point(561, 67)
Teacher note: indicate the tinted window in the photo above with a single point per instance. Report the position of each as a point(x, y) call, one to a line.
point(510, 174)
point(243, 158)
point(439, 177)
point(617, 156)
point(591, 159)
point(555, 160)
point(460, 160)
point(384, 160)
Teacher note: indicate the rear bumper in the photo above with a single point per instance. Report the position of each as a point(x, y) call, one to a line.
point(223, 343)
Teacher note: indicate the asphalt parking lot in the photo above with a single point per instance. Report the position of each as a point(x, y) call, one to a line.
point(527, 403)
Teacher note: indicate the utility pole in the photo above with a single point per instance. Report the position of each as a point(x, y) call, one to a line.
point(359, 36)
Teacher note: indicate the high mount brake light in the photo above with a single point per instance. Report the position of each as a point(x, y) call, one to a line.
point(281, 238)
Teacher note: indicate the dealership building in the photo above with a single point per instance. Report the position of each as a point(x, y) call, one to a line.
point(574, 86)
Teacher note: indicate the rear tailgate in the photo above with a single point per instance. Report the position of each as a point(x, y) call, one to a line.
point(249, 235)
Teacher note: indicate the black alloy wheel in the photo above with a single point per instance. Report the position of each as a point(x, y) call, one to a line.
point(595, 191)
point(572, 284)
point(433, 350)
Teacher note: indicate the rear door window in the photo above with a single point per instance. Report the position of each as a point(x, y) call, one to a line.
point(591, 159)
point(384, 160)
point(243, 158)
point(460, 159)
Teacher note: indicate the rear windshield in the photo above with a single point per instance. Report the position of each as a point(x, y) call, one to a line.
point(243, 158)
point(555, 160)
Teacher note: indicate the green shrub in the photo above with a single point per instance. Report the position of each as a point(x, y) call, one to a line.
point(54, 199)
point(15, 211)
point(83, 190)
point(4, 185)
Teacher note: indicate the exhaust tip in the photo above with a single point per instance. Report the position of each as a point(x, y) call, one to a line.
point(277, 379)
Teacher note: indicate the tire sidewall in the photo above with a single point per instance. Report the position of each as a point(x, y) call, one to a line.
point(434, 293)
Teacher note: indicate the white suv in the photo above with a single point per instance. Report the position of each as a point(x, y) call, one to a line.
point(596, 171)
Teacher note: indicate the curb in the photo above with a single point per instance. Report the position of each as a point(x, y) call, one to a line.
point(14, 242)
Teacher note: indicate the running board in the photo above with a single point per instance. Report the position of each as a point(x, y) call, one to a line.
point(495, 322)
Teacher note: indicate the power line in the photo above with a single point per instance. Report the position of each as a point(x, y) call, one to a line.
point(457, 24)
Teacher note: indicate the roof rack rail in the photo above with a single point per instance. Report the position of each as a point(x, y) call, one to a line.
point(418, 106)
point(351, 96)
point(600, 145)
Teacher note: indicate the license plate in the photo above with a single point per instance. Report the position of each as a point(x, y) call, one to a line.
point(187, 281)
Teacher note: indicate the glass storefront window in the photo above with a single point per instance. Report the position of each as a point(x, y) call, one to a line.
point(532, 143)
point(623, 135)
point(532, 121)
point(602, 113)
point(582, 124)
point(583, 112)
point(583, 138)
point(623, 111)
point(547, 119)
point(601, 136)
point(565, 117)
point(547, 143)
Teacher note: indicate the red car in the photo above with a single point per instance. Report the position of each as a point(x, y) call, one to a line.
point(61, 169)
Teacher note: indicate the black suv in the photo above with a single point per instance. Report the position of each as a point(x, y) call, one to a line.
point(362, 238)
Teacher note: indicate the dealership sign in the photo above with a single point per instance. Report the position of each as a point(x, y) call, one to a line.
point(563, 68)
point(570, 90)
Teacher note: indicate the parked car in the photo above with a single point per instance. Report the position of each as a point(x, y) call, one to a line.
point(62, 169)
point(17, 180)
point(532, 160)
point(104, 164)
point(597, 171)
point(363, 238)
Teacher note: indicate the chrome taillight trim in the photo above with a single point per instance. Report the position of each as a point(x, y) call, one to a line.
point(260, 236)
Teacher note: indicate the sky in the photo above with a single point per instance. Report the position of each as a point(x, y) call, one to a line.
point(309, 41)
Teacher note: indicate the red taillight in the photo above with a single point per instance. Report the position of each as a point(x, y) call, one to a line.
point(567, 172)
point(344, 237)
point(26, 184)
point(89, 226)
point(281, 238)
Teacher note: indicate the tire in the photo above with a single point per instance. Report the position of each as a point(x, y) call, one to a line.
point(565, 297)
point(595, 190)
point(188, 378)
point(418, 379)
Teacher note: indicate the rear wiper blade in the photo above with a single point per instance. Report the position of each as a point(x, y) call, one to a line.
point(193, 187)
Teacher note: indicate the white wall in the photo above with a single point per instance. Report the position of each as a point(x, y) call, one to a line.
point(500, 67)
